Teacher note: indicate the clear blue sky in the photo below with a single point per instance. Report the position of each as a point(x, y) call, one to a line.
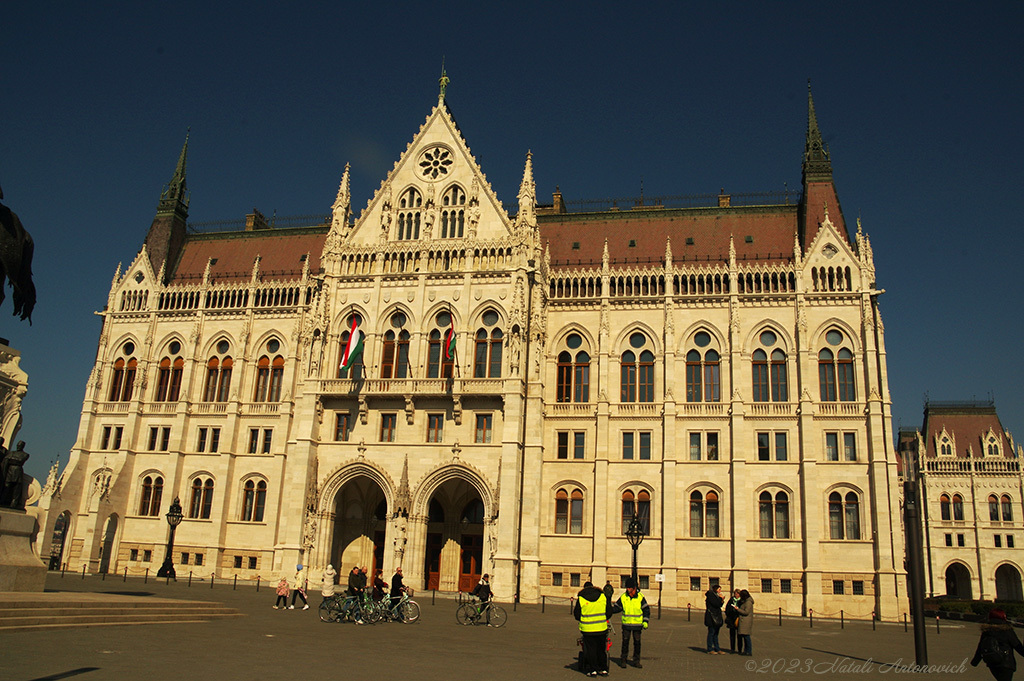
point(920, 105)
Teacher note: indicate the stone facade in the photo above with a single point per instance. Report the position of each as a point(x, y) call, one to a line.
point(716, 372)
point(971, 486)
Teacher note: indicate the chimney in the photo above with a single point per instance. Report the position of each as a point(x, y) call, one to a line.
point(255, 220)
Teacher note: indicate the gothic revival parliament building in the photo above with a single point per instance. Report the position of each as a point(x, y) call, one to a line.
point(717, 372)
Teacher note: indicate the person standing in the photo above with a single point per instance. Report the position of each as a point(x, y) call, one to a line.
point(732, 618)
point(996, 646)
point(592, 610)
point(282, 594)
point(327, 582)
point(397, 587)
point(299, 588)
point(609, 590)
point(636, 615)
point(355, 593)
point(745, 609)
point(713, 618)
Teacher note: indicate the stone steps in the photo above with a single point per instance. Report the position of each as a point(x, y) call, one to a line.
point(53, 611)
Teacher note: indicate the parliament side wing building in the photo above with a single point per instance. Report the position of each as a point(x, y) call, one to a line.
point(529, 384)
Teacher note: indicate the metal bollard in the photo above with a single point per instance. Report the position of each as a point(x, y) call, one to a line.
point(169, 578)
point(190, 579)
point(257, 583)
point(937, 625)
point(433, 596)
point(842, 620)
point(872, 621)
point(687, 612)
point(235, 585)
point(103, 576)
point(780, 617)
point(83, 570)
point(62, 568)
point(213, 576)
point(543, 603)
point(904, 621)
point(810, 614)
point(125, 575)
point(146, 579)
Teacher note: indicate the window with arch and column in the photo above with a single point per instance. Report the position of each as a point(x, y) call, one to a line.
point(569, 511)
point(835, 370)
point(637, 377)
point(357, 369)
point(453, 213)
point(773, 514)
point(488, 348)
point(218, 374)
point(703, 371)
point(201, 500)
point(704, 513)
point(269, 376)
point(394, 360)
point(843, 515)
point(439, 363)
point(573, 379)
point(151, 495)
point(409, 209)
point(637, 506)
point(1000, 508)
point(254, 500)
point(168, 379)
point(770, 373)
point(122, 379)
point(951, 509)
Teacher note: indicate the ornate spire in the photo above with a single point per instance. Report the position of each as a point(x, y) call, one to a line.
point(174, 197)
point(732, 252)
point(605, 258)
point(528, 194)
point(404, 498)
point(443, 82)
point(817, 164)
point(668, 252)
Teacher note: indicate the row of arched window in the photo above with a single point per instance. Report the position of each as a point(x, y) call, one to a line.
point(453, 214)
point(769, 369)
point(200, 500)
point(773, 507)
point(999, 508)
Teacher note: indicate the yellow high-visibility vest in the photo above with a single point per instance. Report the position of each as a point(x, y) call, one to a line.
point(632, 612)
point(594, 615)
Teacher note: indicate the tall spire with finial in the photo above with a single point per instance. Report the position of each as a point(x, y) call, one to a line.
point(443, 82)
point(168, 232)
point(528, 195)
point(174, 195)
point(817, 164)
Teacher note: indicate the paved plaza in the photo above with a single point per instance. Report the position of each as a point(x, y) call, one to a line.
point(270, 644)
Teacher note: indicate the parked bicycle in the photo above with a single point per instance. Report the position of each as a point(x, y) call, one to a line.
point(475, 612)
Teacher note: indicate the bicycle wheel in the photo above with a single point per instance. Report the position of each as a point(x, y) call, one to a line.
point(327, 614)
point(498, 616)
point(372, 613)
point(410, 612)
point(466, 614)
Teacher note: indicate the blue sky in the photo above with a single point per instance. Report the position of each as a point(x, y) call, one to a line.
point(919, 103)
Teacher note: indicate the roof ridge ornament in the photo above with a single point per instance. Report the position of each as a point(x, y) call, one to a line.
point(443, 83)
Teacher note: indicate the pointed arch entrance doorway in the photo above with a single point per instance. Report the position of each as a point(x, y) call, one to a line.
point(454, 550)
point(360, 527)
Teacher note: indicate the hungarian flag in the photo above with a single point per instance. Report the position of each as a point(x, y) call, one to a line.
point(449, 342)
point(354, 347)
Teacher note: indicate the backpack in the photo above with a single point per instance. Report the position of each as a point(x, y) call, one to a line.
point(996, 652)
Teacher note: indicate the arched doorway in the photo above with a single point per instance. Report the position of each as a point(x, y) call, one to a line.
point(360, 527)
point(958, 581)
point(454, 555)
point(60, 531)
point(107, 545)
point(1008, 586)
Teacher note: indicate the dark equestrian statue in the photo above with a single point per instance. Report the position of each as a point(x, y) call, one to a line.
point(16, 262)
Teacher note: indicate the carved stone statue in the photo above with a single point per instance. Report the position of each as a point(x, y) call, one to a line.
point(12, 470)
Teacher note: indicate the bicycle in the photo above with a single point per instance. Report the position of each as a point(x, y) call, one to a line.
point(405, 610)
point(472, 613)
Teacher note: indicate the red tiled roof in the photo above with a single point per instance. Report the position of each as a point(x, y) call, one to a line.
point(280, 252)
point(967, 426)
point(772, 230)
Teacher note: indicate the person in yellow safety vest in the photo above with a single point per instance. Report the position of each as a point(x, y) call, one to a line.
point(635, 616)
point(593, 610)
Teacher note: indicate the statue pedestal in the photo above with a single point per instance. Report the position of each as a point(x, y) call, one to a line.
point(20, 568)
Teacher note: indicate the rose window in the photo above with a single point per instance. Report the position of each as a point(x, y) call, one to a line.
point(435, 163)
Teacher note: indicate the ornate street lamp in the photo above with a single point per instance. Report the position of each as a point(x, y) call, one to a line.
point(174, 516)
point(635, 534)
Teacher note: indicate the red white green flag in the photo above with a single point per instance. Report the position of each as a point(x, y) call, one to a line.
point(449, 342)
point(354, 347)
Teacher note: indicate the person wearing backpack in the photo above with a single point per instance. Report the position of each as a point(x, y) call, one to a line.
point(996, 646)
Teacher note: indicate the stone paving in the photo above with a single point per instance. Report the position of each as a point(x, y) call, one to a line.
point(294, 644)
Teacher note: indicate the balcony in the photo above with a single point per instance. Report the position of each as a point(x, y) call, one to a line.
point(700, 409)
point(637, 409)
point(770, 409)
point(570, 410)
point(160, 407)
point(840, 409)
point(261, 407)
point(210, 408)
point(113, 407)
point(427, 387)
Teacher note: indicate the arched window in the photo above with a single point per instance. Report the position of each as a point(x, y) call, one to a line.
point(576, 512)
point(638, 506)
point(218, 375)
point(944, 507)
point(759, 364)
point(122, 381)
point(993, 507)
point(703, 377)
point(1007, 509)
point(473, 512)
point(152, 492)
point(704, 514)
point(573, 377)
point(770, 380)
point(696, 514)
point(487, 355)
point(844, 516)
point(168, 384)
point(569, 512)
point(637, 379)
point(780, 377)
point(409, 209)
point(773, 514)
point(852, 516)
point(395, 357)
point(958, 507)
point(439, 363)
point(561, 512)
point(254, 500)
point(356, 369)
point(202, 498)
point(453, 213)
point(835, 371)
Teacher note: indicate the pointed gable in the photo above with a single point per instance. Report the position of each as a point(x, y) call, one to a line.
point(435, 191)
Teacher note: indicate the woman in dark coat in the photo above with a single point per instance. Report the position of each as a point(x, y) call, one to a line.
point(713, 618)
point(732, 618)
point(996, 646)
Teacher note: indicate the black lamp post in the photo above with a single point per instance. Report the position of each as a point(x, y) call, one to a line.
point(174, 516)
point(635, 535)
point(915, 553)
